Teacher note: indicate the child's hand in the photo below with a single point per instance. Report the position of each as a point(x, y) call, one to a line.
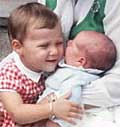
point(67, 110)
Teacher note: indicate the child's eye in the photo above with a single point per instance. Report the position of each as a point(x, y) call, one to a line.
point(43, 45)
point(59, 43)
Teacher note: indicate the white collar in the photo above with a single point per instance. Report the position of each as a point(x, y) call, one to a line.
point(29, 73)
point(89, 70)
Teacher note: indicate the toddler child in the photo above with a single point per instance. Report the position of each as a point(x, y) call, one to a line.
point(36, 39)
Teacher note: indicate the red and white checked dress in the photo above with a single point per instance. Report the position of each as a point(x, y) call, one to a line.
point(11, 78)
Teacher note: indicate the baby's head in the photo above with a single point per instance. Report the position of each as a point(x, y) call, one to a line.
point(91, 49)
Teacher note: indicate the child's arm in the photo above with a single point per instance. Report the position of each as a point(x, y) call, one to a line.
point(29, 113)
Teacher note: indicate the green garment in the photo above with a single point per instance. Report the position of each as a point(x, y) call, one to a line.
point(51, 4)
point(93, 20)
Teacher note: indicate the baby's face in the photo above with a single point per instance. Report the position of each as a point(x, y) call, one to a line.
point(73, 53)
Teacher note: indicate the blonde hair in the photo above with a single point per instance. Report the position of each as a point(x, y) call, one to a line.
point(29, 15)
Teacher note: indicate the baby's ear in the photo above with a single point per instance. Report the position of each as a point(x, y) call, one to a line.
point(82, 61)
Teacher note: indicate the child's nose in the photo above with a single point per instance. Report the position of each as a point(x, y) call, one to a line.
point(54, 51)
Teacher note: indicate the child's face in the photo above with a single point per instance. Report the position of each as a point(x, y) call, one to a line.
point(42, 49)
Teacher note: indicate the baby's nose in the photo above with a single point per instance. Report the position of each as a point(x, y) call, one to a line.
point(69, 43)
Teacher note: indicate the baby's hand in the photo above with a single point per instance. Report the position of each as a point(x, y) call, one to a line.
point(67, 110)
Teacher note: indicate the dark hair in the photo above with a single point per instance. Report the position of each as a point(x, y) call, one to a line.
point(29, 15)
point(105, 55)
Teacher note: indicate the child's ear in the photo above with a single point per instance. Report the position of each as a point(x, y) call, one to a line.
point(82, 61)
point(17, 46)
